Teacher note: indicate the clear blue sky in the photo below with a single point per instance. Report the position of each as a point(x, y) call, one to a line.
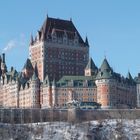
point(112, 27)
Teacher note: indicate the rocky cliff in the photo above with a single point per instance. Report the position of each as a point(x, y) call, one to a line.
point(114, 129)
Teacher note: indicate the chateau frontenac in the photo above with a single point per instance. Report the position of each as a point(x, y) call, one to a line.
point(59, 70)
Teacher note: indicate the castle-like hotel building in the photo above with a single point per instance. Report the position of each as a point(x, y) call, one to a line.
point(59, 70)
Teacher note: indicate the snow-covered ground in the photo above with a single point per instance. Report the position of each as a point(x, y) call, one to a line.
point(92, 130)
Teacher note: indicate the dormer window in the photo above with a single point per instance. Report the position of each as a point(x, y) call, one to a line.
point(101, 74)
point(76, 38)
point(65, 37)
point(53, 34)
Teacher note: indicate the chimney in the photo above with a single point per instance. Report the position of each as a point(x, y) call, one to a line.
point(3, 57)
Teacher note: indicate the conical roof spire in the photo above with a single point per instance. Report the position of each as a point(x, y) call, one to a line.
point(86, 41)
point(91, 65)
point(105, 65)
point(35, 73)
point(34, 76)
point(105, 71)
point(44, 27)
point(46, 80)
point(129, 76)
point(53, 83)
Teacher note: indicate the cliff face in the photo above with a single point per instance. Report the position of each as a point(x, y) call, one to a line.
point(93, 130)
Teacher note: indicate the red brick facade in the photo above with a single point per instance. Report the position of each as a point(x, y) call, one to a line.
point(62, 52)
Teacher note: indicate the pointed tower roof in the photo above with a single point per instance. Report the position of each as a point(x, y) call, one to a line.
point(53, 83)
point(130, 79)
point(105, 71)
point(129, 76)
point(86, 41)
point(46, 81)
point(91, 65)
point(105, 65)
point(35, 73)
point(28, 64)
point(34, 76)
point(45, 27)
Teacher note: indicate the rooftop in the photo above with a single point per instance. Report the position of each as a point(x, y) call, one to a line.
point(61, 28)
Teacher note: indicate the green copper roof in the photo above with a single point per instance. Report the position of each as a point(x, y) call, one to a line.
point(105, 71)
point(46, 80)
point(34, 76)
point(105, 65)
point(74, 78)
point(130, 79)
point(91, 65)
point(53, 83)
point(76, 81)
point(86, 41)
point(104, 75)
point(129, 76)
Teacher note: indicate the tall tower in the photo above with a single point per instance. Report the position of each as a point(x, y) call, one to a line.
point(35, 89)
point(105, 82)
point(46, 94)
point(58, 49)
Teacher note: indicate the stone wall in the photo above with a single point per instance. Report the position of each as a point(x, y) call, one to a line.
point(20, 116)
